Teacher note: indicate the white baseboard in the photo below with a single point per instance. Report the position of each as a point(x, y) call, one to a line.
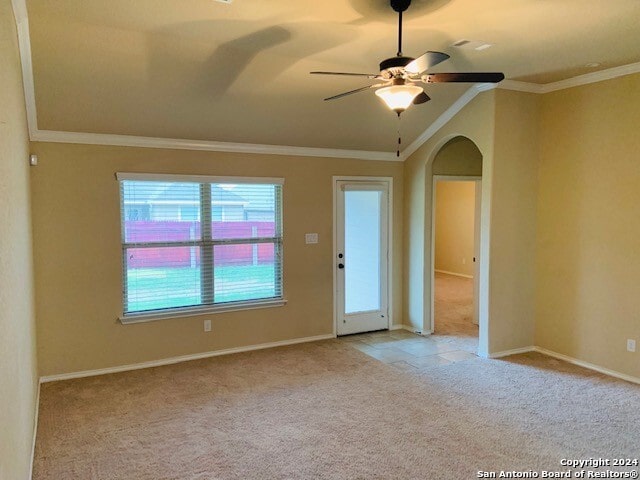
point(568, 359)
point(514, 351)
point(590, 366)
point(543, 351)
point(183, 358)
point(454, 273)
point(35, 432)
point(412, 329)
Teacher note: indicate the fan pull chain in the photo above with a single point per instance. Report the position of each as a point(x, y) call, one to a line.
point(399, 137)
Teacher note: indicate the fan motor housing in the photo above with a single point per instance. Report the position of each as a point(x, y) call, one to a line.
point(395, 62)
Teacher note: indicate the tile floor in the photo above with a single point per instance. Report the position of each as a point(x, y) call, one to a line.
point(408, 351)
point(455, 338)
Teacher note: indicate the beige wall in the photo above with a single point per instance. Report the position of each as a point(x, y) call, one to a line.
point(458, 157)
point(504, 127)
point(18, 373)
point(476, 122)
point(455, 212)
point(78, 255)
point(513, 221)
point(574, 246)
point(588, 260)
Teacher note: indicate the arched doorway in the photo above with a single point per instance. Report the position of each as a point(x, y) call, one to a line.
point(454, 261)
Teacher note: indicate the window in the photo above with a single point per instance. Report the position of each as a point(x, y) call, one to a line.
point(188, 244)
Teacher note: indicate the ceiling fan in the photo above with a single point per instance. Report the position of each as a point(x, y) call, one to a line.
point(400, 74)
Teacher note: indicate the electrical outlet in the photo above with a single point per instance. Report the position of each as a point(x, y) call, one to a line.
point(631, 345)
point(464, 261)
point(207, 325)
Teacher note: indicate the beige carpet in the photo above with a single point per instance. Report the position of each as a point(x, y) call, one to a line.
point(453, 311)
point(327, 411)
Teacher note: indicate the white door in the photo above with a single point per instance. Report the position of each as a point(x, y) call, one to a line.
point(362, 256)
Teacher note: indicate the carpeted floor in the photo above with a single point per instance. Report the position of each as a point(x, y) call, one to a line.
point(453, 311)
point(328, 411)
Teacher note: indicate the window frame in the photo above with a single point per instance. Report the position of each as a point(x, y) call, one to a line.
point(206, 243)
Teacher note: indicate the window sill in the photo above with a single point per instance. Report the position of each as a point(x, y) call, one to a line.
point(129, 318)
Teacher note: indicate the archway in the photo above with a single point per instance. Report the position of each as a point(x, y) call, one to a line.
point(455, 159)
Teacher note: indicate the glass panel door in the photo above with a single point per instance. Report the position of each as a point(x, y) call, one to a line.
point(362, 233)
point(362, 250)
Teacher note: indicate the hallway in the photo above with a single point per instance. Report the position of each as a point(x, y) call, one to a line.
point(454, 311)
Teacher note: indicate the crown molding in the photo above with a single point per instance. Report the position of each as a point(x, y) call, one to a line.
point(593, 77)
point(444, 118)
point(205, 145)
point(518, 86)
point(36, 135)
point(19, 10)
point(585, 79)
point(24, 47)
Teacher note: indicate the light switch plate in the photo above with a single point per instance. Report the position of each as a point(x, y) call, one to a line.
point(310, 238)
point(631, 345)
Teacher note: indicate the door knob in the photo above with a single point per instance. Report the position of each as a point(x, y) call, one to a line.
point(341, 265)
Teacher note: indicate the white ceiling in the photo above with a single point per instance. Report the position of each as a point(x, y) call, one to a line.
point(205, 70)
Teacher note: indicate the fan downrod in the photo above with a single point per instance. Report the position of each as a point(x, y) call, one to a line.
point(400, 6)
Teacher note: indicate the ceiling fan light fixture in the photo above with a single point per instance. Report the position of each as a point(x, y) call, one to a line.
point(399, 97)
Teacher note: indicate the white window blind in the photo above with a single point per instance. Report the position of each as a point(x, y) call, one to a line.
point(196, 243)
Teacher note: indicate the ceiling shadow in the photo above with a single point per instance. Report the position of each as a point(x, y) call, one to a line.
point(182, 51)
point(230, 59)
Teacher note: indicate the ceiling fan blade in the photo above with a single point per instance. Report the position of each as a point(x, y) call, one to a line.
point(351, 92)
point(368, 75)
point(487, 77)
point(421, 98)
point(425, 62)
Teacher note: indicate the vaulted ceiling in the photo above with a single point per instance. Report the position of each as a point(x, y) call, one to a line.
point(239, 72)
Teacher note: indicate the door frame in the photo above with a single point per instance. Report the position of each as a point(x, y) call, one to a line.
point(477, 288)
point(336, 191)
point(477, 216)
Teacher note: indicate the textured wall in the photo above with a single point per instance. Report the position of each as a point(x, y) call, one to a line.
point(78, 255)
point(504, 127)
point(455, 212)
point(588, 260)
point(512, 277)
point(476, 122)
point(18, 373)
point(459, 157)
